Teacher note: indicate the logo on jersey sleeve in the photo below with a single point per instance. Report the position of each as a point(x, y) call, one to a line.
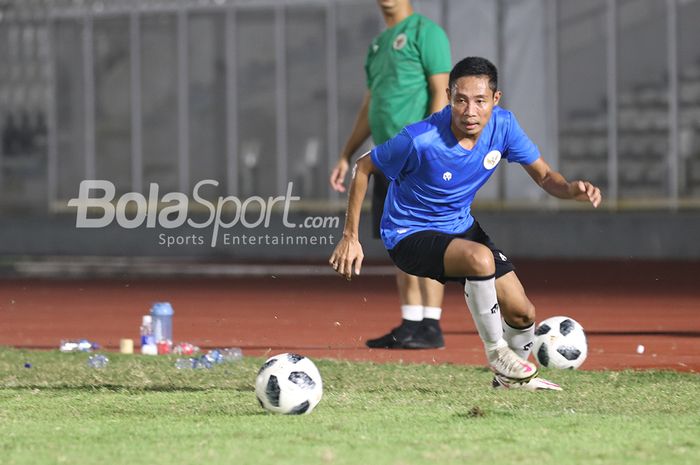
point(400, 41)
point(446, 175)
point(491, 159)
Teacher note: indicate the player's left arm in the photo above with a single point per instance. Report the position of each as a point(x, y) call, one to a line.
point(556, 185)
point(436, 59)
point(438, 97)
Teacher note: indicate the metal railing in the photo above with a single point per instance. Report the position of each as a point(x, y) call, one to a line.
point(35, 79)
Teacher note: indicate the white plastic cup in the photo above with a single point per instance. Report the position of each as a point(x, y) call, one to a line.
point(126, 346)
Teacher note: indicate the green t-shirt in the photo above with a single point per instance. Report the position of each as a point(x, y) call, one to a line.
point(399, 62)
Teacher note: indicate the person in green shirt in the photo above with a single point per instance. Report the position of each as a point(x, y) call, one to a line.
point(407, 69)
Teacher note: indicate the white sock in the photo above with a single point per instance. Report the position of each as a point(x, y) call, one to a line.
point(412, 312)
point(483, 305)
point(519, 339)
point(432, 312)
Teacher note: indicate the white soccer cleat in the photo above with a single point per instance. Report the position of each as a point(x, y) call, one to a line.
point(506, 363)
point(533, 384)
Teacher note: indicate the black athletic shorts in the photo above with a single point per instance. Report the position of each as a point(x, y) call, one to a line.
point(423, 253)
point(381, 186)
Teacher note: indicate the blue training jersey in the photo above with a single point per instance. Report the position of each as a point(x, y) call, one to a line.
point(434, 179)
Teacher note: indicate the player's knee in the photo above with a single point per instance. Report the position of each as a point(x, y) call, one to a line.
point(481, 261)
point(406, 281)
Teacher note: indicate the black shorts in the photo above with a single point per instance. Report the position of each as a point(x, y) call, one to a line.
point(423, 253)
point(381, 186)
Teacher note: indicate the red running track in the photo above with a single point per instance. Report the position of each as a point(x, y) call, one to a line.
point(620, 304)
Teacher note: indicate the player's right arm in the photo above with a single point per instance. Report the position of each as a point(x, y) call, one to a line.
point(437, 84)
point(360, 133)
point(348, 254)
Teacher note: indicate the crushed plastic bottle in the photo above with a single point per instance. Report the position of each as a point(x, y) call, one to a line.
point(164, 346)
point(82, 345)
point(232, 354)
point(184, 363)
point(214, 357)
point(194, 363)
point(205, 361)
point(228, 355)
point(97, 361)
point(185, 348)
point(210, 359)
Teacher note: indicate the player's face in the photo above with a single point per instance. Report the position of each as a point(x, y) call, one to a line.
point(389, 6)
point(472, 103)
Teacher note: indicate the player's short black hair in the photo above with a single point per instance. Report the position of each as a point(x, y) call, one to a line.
point(474, 66)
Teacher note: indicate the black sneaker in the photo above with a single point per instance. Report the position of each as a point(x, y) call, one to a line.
point(396, 338)
point(428, 336)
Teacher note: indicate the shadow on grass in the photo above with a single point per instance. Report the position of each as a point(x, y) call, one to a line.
point(123, 388)
point(477, 412)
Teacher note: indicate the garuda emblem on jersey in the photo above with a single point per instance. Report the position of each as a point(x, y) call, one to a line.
point(400, 41)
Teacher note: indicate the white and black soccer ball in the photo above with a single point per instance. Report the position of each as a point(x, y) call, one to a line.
point(289, 384)
point(560, 342)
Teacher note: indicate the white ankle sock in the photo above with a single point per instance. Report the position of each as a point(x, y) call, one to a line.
point(432, 312)
point(412, 312)
point(519, 339)
point(481, 299)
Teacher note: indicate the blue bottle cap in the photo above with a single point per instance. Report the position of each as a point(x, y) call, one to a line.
point(162, 309)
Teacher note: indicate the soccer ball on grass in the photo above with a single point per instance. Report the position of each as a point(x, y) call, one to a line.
point(289, 384)
point(560, 342)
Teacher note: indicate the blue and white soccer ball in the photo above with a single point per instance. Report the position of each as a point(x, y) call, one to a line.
point(560, 342)
point(289, 384)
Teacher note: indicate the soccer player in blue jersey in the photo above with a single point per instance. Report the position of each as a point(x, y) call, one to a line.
point(436, 167)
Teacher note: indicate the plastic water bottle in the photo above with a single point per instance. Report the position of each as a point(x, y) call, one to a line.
point(162, 314)
point(185, 348)
point(97, 361)
point(204, 361)
point(184, 363)
point(214, 357)
point(81, 345)
point(219, 356)
point(210, 359)
point(194, 363)
point(148, 340)
point(232, 354)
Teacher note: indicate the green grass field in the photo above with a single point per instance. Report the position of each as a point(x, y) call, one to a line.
point(142, 410)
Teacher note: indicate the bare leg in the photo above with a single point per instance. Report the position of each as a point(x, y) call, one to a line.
point(516, 308)
point(518, 314)
point(518, 329)
point(432, 293)
point(409, 289)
